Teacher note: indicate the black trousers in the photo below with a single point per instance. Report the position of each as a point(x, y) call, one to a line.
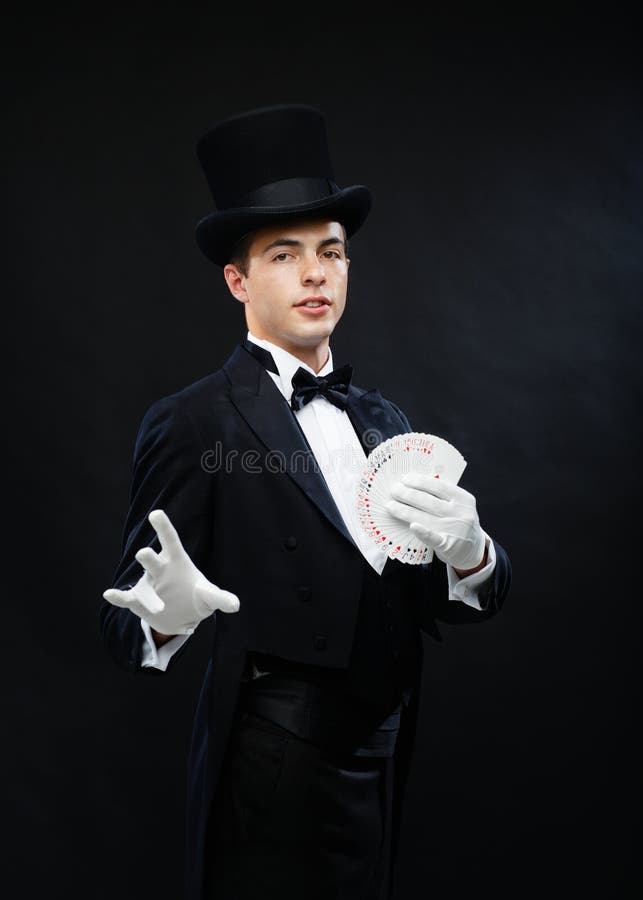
point(293, 820)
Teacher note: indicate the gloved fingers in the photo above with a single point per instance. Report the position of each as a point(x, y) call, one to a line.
point(445, 490)
point(129, 599)
point(150, 561)
point(432, 539)
point(228, 602)
point(410, 514)
point(460, 552)
point(117, 597)
point(208, 598)
point(149, 601)
point(167, 533)
point(139, 609)
point(421, 499)
point(400, 510)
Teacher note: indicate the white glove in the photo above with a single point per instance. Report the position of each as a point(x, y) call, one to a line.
point(443, 516)
point(172, 595)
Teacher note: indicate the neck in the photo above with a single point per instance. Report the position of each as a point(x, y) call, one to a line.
point(314, 356)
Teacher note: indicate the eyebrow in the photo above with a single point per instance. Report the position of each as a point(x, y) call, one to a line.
point(290, 242)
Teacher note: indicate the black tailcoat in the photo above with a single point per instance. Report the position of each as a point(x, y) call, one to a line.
point(227, 461)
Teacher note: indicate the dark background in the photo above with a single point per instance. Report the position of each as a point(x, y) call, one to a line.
point(495, 295)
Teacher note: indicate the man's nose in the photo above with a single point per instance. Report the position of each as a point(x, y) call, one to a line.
point(313, 272)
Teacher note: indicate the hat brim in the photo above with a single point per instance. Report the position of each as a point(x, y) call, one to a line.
point(217, 233)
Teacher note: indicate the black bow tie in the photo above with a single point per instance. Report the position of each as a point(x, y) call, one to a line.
point(306, 386)
point(334, 387)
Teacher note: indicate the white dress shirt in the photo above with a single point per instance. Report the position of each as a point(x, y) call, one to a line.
point(341, 459)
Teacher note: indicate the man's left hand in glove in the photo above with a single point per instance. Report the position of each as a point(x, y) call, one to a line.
point(444, 517)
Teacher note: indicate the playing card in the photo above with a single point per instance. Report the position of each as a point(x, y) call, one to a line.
point(413, 452)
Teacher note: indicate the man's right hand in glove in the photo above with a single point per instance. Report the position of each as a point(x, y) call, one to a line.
point(172, 595)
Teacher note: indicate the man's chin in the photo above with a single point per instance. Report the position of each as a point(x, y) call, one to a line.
point(315, 334)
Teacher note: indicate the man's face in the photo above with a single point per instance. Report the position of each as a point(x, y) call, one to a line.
point(296, 282)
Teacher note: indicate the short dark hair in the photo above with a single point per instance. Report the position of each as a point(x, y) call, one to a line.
point(240, 251)
point(241, 248)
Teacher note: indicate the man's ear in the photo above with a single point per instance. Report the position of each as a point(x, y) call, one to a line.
point(236, 281)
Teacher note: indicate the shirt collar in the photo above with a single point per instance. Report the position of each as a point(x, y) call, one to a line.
point(287, 364)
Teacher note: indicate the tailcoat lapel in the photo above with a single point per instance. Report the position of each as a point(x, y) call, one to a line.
point(263, 406)
point(372, 418)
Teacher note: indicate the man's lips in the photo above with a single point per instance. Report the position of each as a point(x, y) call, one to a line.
point(323, 300)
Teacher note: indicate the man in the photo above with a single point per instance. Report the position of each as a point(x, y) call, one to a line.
point(243, 507)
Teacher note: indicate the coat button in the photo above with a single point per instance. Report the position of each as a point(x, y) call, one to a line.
point(319, 643)
point(304, 594)
point(290, 543)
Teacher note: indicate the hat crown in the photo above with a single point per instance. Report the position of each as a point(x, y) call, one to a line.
point(266, 166)
point(263, 147)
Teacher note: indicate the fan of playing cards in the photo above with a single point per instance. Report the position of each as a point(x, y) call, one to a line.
point(387, 463)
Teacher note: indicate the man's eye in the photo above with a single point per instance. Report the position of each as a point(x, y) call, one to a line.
point(281, 256)
point(331, 254)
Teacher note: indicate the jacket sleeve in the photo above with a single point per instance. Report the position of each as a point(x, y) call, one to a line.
point(435, 603)
point(437, 606)
point(167, 474)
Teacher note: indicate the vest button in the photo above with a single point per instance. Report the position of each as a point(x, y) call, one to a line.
point(290, 543)
point(319, 642)
point(304, 594)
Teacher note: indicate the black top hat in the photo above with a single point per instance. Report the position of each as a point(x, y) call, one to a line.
point(269, 164)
